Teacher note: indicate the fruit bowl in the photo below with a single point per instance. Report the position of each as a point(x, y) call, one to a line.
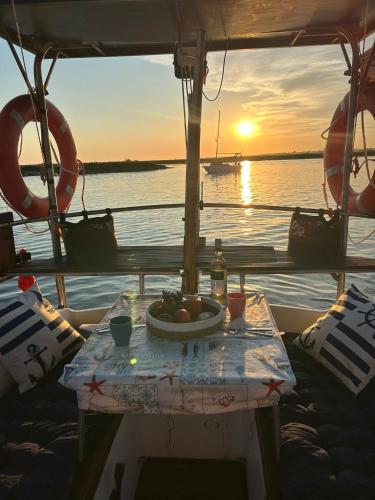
point(186, 331)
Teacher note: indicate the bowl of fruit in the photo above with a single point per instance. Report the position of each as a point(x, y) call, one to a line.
point(181, 317)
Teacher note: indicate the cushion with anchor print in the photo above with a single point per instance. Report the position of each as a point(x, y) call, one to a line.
point(34, 337)
point(343, 340)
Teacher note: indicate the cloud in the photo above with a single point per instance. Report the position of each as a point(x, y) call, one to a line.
point(244, 68)
point(288, 92)
point(163, 60)
point(277, 81)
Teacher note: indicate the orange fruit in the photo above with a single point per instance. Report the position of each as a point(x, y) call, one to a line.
point(194, 306)
point(182, 316)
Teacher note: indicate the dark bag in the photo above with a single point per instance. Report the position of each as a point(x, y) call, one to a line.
point(89, 240)
point(312, 237)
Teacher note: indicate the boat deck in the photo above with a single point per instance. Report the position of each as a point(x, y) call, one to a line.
point(169, 260)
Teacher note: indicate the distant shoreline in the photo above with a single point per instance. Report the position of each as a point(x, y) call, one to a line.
point(295, 155)
point(108, 167)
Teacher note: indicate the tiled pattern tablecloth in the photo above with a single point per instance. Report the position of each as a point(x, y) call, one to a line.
point(218, 373)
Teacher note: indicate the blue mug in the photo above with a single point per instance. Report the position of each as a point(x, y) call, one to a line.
point(121, 329)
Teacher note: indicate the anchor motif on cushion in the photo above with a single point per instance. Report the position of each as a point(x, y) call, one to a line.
point(36, 356)
point(369, 319)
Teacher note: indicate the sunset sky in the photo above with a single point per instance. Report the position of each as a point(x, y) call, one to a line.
point(132, 107)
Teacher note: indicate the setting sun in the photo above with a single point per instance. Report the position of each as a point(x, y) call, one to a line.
point(245, 128)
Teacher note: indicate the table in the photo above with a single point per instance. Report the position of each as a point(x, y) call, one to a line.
point(223, 372)
point(219, 373)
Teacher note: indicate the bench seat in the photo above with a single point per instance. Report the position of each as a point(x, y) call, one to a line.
point(327, 436)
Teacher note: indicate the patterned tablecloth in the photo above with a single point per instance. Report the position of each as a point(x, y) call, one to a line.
point(219, 373)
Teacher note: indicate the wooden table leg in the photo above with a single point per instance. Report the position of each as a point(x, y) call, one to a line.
point(265, 420)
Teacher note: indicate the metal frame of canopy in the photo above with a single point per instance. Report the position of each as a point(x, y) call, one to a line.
point(311, 35)
point(92, 28)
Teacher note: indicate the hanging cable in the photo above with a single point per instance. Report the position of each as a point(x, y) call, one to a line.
point(27, 76)
point(184, 109)
point(361, 240)
point(187, 91)
point(21, 145)
point(365, 22)
point(366, 160)
point(60, 165)
point(19, 35)
point(184, 98)
point(364, 30)
point(184, 103)
point(80, 170)
point(362, 84)
point(21, 217)
point(363, 130)
point(37, 128)
point(190, 81)
point(323, 134)
point(83, 172)
point(34, 112)
point(222, 77)
point(364, 142)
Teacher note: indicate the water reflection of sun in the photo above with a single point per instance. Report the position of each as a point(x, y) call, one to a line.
point(246, 191)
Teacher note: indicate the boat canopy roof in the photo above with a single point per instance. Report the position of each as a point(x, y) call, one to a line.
point(92, 28)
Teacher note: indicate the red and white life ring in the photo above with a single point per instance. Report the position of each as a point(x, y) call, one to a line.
point(13, 117)
point(363, 202)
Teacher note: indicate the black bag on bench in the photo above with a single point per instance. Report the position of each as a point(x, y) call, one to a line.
point(89, 240)
point(312, 237)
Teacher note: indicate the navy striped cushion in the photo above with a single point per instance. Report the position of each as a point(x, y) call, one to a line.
point(33, 338)
point(343, 340)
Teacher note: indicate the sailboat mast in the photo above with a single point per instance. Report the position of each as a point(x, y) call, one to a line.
point(217, 135)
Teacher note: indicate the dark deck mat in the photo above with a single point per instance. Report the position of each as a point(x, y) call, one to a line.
point(327, 436)
point(39, 441)
point(188, 479)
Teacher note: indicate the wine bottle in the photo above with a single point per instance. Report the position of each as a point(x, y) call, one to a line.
point(219, 274)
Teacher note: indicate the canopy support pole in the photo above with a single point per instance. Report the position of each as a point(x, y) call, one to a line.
point(191, 241)
point(47, 160)
point(21, 68)
point(50, 71)
point(348, 155)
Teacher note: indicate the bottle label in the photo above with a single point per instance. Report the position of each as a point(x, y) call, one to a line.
point(217, 275)
point(218, 284)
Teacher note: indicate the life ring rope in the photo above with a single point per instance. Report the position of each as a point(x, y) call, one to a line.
point(27, 226)
point(76, 171)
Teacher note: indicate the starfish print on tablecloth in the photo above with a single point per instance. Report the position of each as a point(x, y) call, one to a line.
point(171, 365)
point(169, 376)
point(273, 385)
point(94, 385)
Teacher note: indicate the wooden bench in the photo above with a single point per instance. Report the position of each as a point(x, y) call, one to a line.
point(169, 260)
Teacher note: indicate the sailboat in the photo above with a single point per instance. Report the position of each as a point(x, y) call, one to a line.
point(219, 167)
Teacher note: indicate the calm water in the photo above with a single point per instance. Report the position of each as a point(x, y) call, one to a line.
point(284, 182)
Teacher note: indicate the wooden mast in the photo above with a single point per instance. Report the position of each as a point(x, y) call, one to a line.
point(190, 281)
